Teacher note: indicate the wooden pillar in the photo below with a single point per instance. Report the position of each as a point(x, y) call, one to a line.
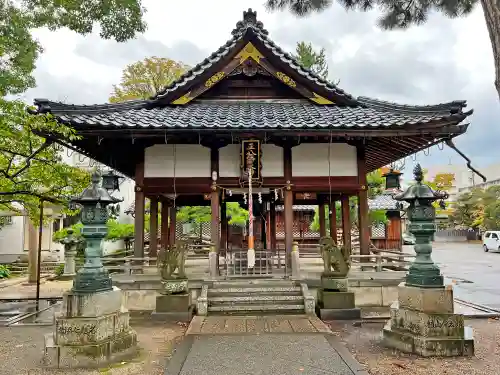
point(364, 229)
point(288, 203)
point(272, 224)
point(333, 220)
point(223, 226)
point(214, 200)
point(139, 211)
point(153, 227)
point(346, 222)
point(164, 224)
point(172, 225)
point(321, 216)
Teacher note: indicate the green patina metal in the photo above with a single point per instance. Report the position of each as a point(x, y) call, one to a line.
point(94, 202)
point(423, 271)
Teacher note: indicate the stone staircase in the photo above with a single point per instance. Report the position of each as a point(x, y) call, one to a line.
point(255, 297)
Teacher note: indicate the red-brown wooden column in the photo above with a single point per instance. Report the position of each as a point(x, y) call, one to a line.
point(223, 226)
point(364, 229)
point(139, 211)
point(321, 216)
point(272, 224)
point(172, 225)
point(164, 224)
point(153, 227)
point(288, 203)
point(214, 200)
point(346, 222)
point(333, 220)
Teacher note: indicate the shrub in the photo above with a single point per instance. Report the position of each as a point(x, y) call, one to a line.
point(4, 271)
point(59, 270)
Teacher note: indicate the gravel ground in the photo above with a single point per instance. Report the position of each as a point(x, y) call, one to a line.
point(47, 289)
point(21, 350)
point(365, 343)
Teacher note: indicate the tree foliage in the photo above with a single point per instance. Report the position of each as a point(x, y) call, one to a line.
point(311, 59)
point(145, 78)
point(396, 14)
point(478, 208)
point(235, 214)
point(30, 166)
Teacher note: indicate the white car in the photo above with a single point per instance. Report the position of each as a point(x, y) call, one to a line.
point(491, 240)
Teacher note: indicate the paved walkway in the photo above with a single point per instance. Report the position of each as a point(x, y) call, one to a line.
point(261, 345)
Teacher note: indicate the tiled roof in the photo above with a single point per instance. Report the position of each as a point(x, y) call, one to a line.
point(251, 25)
point(385, 201)
point(249, 114)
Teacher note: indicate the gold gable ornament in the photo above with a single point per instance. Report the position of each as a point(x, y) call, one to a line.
point(249, 52)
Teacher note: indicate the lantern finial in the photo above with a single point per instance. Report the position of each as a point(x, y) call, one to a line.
point(418, 173)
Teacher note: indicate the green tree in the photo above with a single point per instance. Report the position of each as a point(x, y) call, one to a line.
point(466, 210)
point(145, 78)
point(401, 14)
point(311, 59)
point(236, 215)
point(31, 166)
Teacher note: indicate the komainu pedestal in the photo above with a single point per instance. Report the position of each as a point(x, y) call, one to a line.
point(423, 322)
point(92, 330)
point(335, 302)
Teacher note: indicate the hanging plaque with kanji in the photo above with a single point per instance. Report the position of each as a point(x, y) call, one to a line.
point(251, 156)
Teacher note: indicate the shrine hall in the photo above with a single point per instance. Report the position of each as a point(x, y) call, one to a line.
point(249, 124)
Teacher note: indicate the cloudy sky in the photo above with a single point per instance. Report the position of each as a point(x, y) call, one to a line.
point(441, 61)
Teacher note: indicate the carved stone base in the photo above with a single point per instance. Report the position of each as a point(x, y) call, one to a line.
point(337, 305)
point(173, 307)
point(92, 280)
point(90, 331)
point(423, 322)
point(340, 284)
point(174, 286)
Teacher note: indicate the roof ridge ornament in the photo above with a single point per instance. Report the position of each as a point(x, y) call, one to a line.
point(249, 21)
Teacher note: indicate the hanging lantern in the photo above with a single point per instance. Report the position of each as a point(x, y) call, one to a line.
point(111, 181)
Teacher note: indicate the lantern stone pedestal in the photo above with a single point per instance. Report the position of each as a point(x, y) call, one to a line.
point(174, 303)
point(92, 330)
point(335, 301)
point(423, 322)
point(422, 319)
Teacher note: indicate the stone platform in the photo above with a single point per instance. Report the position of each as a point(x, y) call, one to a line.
point(336, 302)
point(91, 330)
point(423, 322)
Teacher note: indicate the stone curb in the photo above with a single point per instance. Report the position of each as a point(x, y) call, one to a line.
point(19, 280)
point(181, 351)
point(346, 355)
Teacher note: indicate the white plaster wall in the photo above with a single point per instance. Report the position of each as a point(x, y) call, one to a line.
point(272, 161)
point(190, 161)
point(311, 159)
point(12, 240)
point(229, 161)
point(128, 195)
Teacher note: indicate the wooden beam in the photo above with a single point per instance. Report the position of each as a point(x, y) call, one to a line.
point(153, 227)
point(321, 216)
point(172, 225)
point(272, 224)
point(333, 220)
point(364, 229)
point(214, 199)
point(346, 222)
point(139, 211)
point(288, 203)
point(164, 223)
point(224, 225)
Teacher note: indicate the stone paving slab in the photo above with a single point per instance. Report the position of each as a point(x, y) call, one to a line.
point(277, 354)
point(226, 325)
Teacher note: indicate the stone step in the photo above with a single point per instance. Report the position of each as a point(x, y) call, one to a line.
point(256, 289)
point(264, 299)
point(257, 308)
point(268, 293)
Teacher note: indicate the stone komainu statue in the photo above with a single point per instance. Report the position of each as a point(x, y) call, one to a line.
point(336, 259)
point(172, 259)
